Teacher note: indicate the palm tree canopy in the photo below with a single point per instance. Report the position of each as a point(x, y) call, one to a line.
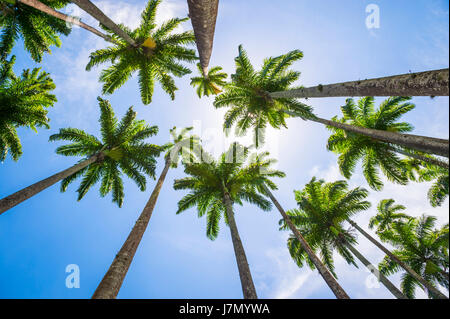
point(423, 248)
point(323, 208)
point(23, 103)
point(123, 148)
point(211, 179)
point(247, 96)
point(156, 58)
point(375, 155)
point(210, 84)
point(38, 30)
point(387, 214)
point(423, 172)
point(184, 147)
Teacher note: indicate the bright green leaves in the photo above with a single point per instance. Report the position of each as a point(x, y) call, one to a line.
point(211, 83)
point(123, 150)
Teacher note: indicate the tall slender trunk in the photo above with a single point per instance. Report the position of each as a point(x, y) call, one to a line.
point(420, 143)
point(50, 11)
point(324, 272)
point(97, 14)
point(394, 258)
point(419, 157)
point(248, 288)
point(429, 83)
point(22, 195)
point(386, 282)
point(112, 281)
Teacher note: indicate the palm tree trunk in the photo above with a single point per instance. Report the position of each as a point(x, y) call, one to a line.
point(248, 288)
point(24, 194)
point(203, 14)
point(46, 9)
point(419, 157)
point(394, 258)
point(420, 143)
point(324, 272)
point(112, 281)
point(97, 14)
point(386, 282)
point(429, 83)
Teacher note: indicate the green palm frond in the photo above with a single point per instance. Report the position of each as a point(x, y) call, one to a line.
point(211, 83)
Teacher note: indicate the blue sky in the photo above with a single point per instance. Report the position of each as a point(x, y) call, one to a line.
point(43, 235)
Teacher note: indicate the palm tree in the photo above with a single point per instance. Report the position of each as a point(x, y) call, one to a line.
point(38, 30)
point(374, 154)
point(154, 58)
point(323, 207)
point(122, 150)
point(248, 96)
point(38, 5)
point(264, 164)
point(203, 14)
point(23, 103)
point(215, 186)
point(187, 149)
point(421, 172)
point(428, 83)
point(422, 248)
point(211, 83)
point(387, 215)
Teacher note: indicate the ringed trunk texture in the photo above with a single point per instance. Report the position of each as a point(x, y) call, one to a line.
point(324, 272)
point(203, 14)
point(97, 14)
point(419, 157)
point(248, 288)
point(420, 143)
point(50, 11)
point(429, 83)
point(386, 282)
point(112, 281)
point(24, 194)
point(394, 258)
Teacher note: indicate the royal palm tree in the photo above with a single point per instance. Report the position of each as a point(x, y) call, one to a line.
point(428, 83)
point(122, 150)
point(155, 57)
point(211, 83)
point(387, 214)
point(251, 106)
point(422, 248)
point(421, 172)
point(23, 103)
point(374, 154)
point(323, 208)
point(185, 148)
point(266, 188)
point(203, 14)
point(38, 30)
point(215, 186)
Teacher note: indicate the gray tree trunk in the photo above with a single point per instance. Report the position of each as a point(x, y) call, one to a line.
point(420, 143)
point(50, 11)
point(386, 282)
point(394, 258)
point(324, 272)
point(248, 288)
point(429, 83)
point(112, 281)
point(24, 194)
point(97, 14)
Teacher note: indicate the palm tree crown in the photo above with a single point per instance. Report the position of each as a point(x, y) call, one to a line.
point(155, 58)
point(23, 103)
point(248, 94)
point(423, 248)
point(123, 150)
point(38, 29)
point(387, 214)
point(375, 154)
point(323, 208)
point(184, 147)
point(211, 83)
point(211, 180)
